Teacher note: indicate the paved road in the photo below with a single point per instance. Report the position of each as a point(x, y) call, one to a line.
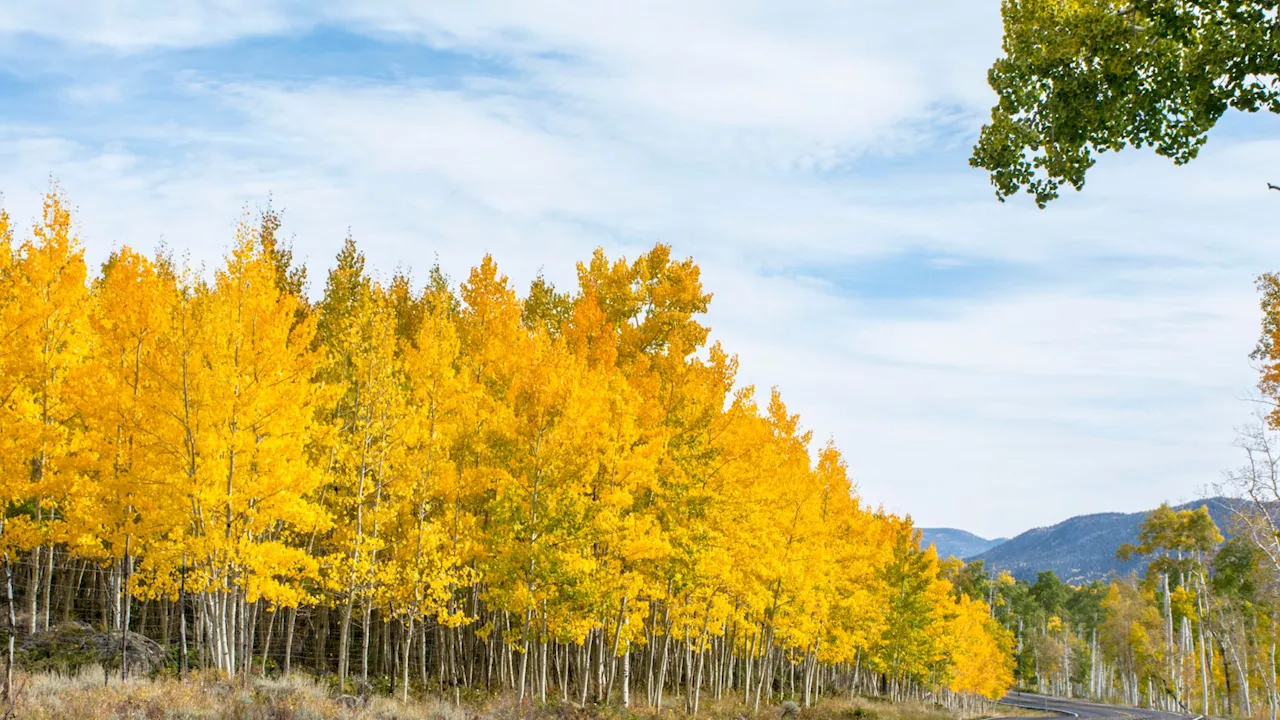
point(1081, 709)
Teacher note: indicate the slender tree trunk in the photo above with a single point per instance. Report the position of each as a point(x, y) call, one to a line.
point(250, 627)
point(626, 675)
point(124, 624)
point(322, 639)
point(182, 618)
point(422, 660)
point(13, 630)
point(543, 644)
point(765, 668)
point(1226, 672)
point(564, 676)
point(48, 589)
point(364, 641)
point(266, 641)
point(586, 669)
point(1272, 691)
point(408, 648)
point(617, 636)
point(288, 640)
point(1243, 667)
point(233, 631)
point(344, 641)
point(666, 646)
point(524, 655)
point(385, 662)
point(697, 683)
point(600, 672)
point(33, 597)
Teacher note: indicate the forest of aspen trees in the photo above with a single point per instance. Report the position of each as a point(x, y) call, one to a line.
point(1196, 633)
point(559, 495)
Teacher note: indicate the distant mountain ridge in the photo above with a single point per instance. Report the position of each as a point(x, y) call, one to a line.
point(1083, 548)
point(952, 542)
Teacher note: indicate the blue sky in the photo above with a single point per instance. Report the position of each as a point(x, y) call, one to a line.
point(982, 365)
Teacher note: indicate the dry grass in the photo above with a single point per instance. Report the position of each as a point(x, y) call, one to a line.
point(84, 696)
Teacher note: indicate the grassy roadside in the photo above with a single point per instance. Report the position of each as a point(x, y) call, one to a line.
point(1009, 711)
point(83, 696)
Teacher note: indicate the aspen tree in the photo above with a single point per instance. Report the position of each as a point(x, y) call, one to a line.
point(433, 536)
point(127, 516)
point(11, 447)
point(254, 484)
point(357, 327)
point(48, 333)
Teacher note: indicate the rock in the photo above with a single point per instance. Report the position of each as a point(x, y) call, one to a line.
point(71, 645)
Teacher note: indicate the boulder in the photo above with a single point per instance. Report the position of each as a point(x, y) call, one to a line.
point(71, 645)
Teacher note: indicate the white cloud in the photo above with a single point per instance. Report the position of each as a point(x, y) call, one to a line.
point(745, 137)
point(1014, 411)
point(134, 25)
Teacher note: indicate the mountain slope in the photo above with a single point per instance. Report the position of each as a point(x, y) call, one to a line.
point(952, 542)
point(1083, 548)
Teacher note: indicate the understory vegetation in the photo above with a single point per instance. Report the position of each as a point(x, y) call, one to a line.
point(84, 696)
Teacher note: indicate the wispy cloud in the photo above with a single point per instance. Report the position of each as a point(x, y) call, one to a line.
point(983, 365)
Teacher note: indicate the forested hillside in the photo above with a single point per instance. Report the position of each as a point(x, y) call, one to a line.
point(1196, 633)
point(435, 488)
point(1083, 548)
point(951, 542)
